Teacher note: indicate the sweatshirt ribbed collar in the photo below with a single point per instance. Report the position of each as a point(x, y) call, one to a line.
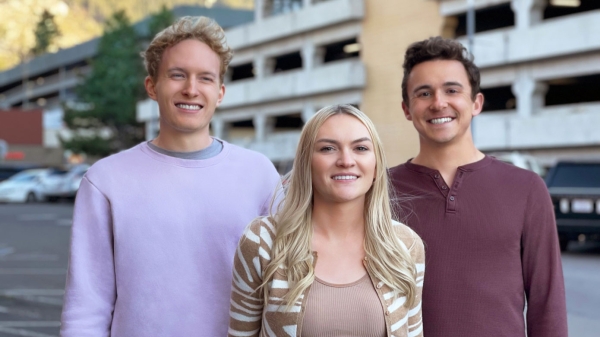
point(187, 162)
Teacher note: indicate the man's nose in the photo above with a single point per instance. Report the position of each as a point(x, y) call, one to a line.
point(191, 88)
point(439, 102)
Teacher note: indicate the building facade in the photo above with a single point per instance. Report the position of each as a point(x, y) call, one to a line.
point(301, 55)
point(540, 70)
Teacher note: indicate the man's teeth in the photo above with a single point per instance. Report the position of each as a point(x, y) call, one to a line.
point(441, 120)
point(188, 106)
point(345, 177)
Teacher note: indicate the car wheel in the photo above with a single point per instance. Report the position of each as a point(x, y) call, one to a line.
point(563, 242)
point(31, 197)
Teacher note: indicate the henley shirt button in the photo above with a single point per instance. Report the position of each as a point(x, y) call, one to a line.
point(444, 187)
point(379, 285)
point(387, 313)
point(437, 176)
point(452, 198)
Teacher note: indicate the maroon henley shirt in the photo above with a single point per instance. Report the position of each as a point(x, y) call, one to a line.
point(491, 245)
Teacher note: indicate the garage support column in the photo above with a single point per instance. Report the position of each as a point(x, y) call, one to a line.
point(528, 12)
point(530, 94)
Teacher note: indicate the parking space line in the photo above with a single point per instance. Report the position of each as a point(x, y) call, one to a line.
point(5, 250)
point(21, 332)
point(30, 324)
point(37, 217)
point(64, 222)
point(32, 292)
point(33, 271)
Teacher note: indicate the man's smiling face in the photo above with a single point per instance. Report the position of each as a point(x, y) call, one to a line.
point(187, 87)
point(440, 103)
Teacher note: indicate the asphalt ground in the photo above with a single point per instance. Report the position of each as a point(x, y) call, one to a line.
point(34, 246)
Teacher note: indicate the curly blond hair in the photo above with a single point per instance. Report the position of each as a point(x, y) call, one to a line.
point(199, 28)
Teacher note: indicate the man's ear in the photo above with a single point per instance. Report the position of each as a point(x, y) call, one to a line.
point(406, 111)
point(478, 104)
point(221, 94)
point(150, 87)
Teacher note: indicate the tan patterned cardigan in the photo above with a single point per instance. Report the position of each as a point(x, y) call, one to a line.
point(250, 317)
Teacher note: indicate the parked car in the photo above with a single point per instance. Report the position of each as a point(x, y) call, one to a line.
point(25, 186)
point(64, 183)
point(521, 160)
point(575, 191)
point(8, 170)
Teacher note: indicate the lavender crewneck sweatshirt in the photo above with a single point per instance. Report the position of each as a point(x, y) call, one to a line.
point(153, 240)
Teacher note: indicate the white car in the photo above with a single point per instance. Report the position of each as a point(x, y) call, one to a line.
point(25, 186)
point(63, 184)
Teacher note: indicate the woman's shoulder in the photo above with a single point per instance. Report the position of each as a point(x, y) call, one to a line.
point(261, 232)
point(406, 235)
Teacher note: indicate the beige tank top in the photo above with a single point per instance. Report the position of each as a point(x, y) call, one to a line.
point(343, 310)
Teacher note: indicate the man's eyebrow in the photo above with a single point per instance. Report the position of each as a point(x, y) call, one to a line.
point(446, 84)
point(453, 84)
point(176, 69)
point(185, 71)
point(421, 87)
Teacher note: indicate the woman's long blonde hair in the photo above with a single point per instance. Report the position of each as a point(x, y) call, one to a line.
point(388, 260)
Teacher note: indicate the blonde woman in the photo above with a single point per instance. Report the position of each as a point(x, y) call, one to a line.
point(331, 261)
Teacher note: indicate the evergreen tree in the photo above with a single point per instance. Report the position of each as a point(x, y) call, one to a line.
point(111, 92)
point(159, 21)
point(45, 33)
point(113, 88)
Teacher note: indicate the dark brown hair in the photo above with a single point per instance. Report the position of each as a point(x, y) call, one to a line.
point(439, 48)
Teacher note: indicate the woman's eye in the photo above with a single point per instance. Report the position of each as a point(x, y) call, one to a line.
point(362, 148)
point(326, 149)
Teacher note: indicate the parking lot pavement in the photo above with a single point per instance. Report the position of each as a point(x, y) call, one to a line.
point(581, 267)
point(34, 245)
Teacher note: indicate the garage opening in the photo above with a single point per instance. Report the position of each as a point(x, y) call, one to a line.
point(573, 90)
point(489, 18)
point(498, 99)
point(558, 8)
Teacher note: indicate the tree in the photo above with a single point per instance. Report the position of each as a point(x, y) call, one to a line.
point(159, 21)
point(45, 33)
point(107, 123)
point(111, 92)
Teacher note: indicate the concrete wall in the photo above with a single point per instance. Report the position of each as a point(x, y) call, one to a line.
point(389, 27)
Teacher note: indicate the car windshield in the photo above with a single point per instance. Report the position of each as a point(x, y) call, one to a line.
point(576, 175)
point(23, 176)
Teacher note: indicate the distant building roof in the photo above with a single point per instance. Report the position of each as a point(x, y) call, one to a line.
point(226, 17)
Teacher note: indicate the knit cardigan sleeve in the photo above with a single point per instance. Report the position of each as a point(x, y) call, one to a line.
point(415, 321)
point(251, 257)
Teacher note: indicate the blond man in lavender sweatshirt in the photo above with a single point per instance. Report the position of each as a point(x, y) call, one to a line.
point(155, 227)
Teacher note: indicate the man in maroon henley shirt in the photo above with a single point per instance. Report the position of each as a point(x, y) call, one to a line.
point(488, 227)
